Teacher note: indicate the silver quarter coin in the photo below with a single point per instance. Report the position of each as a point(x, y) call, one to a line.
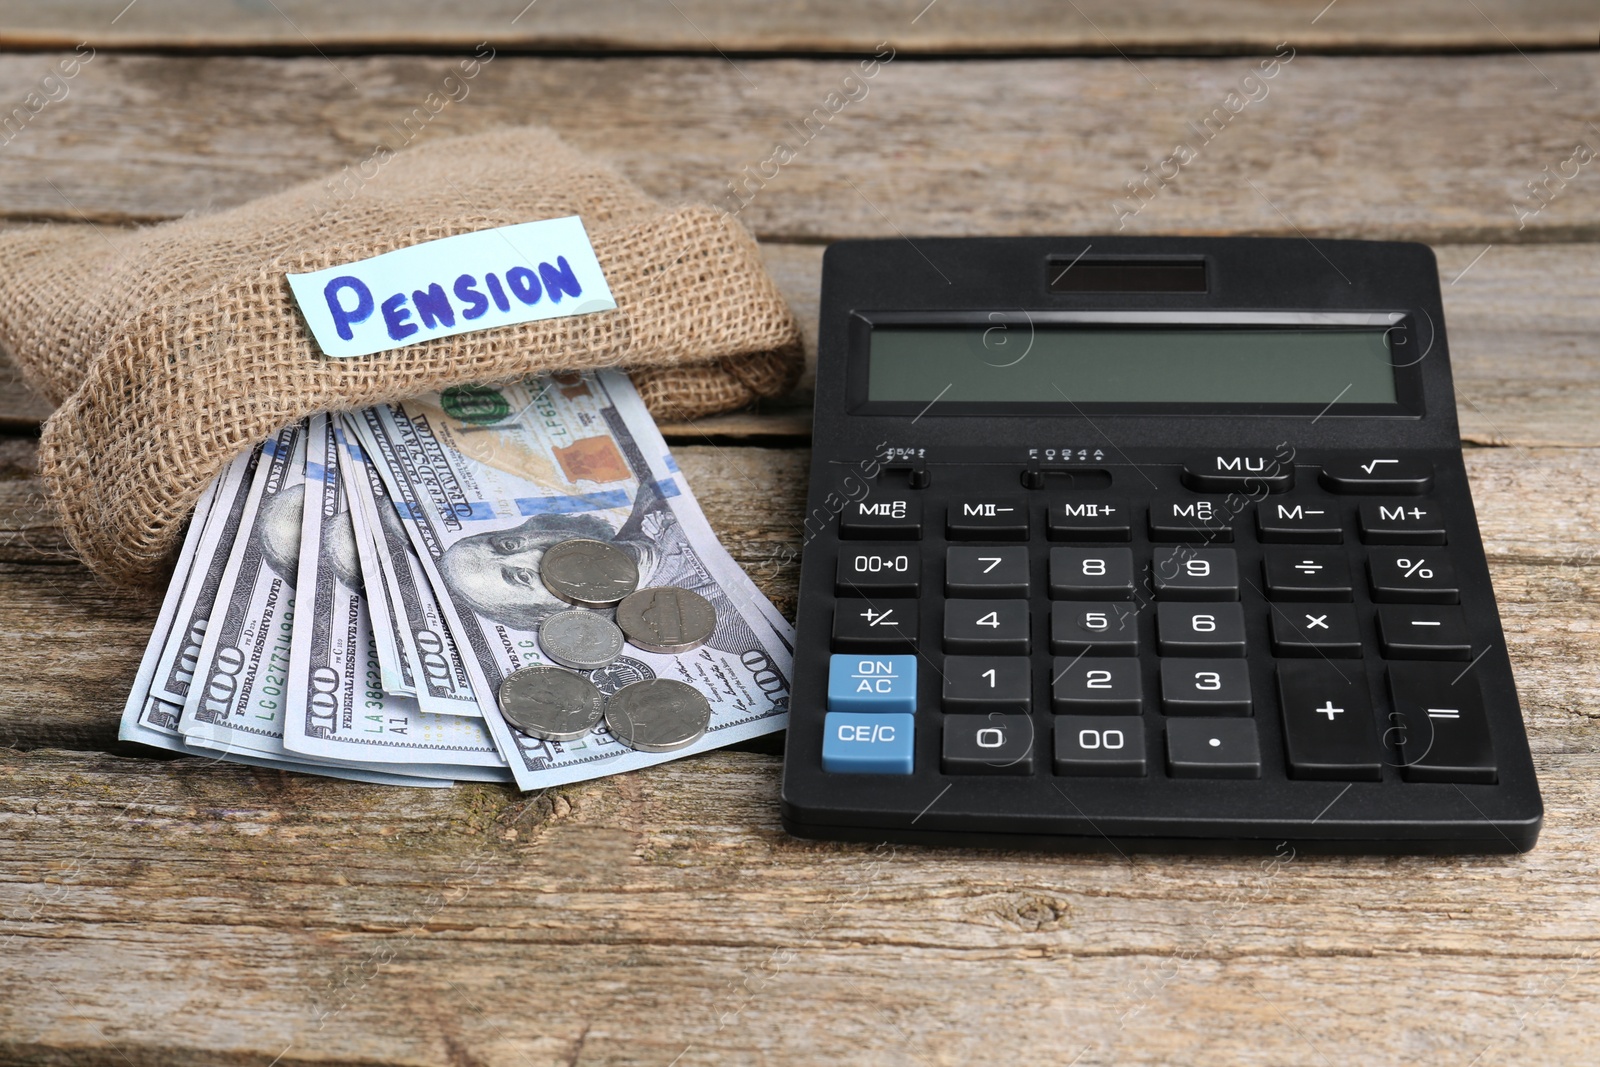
point(580, 639)
point(660, 715)
point(551, 703)
point(667, 619)
point(591, 574)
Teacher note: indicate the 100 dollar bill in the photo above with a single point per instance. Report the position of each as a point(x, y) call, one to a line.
point(486, 479)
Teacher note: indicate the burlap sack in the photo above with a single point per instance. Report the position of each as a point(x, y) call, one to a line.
point(171, 349)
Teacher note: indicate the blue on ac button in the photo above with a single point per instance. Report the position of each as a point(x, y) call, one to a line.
point(860, 682)
point(856, 743)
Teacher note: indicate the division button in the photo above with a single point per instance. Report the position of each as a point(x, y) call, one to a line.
point(988, 744)
point(882, 517)
point(1412, 576)
point(1200, 630)
point(1315, 630)
point(1088, 520)
point(997, 627)
point(987, 683)
point(1314, 574)
point(1205, 687)
point(1328, 727)
point(855, 743)
point(1213, 748)
point(875, 625)
point(872, 683)
point(1091, 573)
point(1423, 633)
point(1189, 519)
point(1378, 475)
point(1298, 522)
point(1100, 628)
point(1095, 686)
point(1402, 524)
point(1243, 471)
point(1196, 573)
point(992, 572)
point(1439, 724)
point(1100, 746)
point(874, 572)
point(987, 520)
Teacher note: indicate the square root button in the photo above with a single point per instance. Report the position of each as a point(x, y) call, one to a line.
point(855, 743)
point(860, 682)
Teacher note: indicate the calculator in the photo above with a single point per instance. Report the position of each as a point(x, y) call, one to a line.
point(1146, 543)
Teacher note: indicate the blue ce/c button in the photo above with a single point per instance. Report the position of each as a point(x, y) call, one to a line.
point(859, 682)
point(855, 743)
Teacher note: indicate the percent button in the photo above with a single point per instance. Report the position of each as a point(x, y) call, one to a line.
point(1409, 576)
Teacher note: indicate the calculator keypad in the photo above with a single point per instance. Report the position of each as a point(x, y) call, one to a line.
point(1155, 630)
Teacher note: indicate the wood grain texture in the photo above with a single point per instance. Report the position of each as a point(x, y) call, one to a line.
point(1435, 148)
point(184, 913)
point(1015, 26)
point(1524, 331)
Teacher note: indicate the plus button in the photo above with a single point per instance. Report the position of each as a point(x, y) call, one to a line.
point(1329, 710)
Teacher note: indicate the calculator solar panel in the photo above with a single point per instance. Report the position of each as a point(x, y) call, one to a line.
point(1187, 562)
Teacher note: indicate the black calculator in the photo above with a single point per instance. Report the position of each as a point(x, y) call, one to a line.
point(1146, 543)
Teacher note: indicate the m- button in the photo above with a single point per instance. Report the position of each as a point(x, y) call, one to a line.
point(1298, 522)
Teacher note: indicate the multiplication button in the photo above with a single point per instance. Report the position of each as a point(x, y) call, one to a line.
point(878, 572)
point(1315, 630)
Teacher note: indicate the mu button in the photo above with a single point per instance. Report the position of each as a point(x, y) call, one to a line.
point(1226, 471)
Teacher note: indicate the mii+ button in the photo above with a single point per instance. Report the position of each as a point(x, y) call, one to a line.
point(872, 683)
point(867, 744)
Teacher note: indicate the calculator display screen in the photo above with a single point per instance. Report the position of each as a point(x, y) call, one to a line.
point(1131, 365)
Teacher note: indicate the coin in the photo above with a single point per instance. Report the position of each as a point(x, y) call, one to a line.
point(550, 703)
point(658, 716)
point(667, 619)
point(580, 639)
point(591, 574)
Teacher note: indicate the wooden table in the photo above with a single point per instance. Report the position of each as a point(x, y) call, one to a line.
point(164, 912)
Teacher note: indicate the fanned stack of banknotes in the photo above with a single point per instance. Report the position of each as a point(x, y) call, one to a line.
point(353, 593)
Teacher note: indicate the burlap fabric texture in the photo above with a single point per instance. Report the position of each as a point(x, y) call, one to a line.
point(173, 348)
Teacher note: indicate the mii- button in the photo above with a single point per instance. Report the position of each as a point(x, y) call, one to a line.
point(867, 744)
point(872, 683)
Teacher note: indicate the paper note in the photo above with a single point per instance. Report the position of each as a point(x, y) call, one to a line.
point(473, 281)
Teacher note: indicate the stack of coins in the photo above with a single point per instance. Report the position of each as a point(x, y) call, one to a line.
point(555, 704)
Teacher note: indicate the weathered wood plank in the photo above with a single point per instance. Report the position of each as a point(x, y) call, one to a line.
point(1428, 147)
point(73, 644)
point(1522, 319)
point(179, 913)
point(1016, 26)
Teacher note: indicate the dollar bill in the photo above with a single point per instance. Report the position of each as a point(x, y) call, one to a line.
point(336, 706)
point(393, 666)
point(486, 478)
point(223, 509)
point(149, 719)
point(409, 616)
